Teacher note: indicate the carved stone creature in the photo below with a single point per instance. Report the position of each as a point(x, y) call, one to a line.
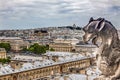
point(108, 54)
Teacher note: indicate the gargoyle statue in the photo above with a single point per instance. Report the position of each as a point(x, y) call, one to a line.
point(108, 54)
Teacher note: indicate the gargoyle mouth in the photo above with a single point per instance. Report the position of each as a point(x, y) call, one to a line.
point(94, 40)
point(90, 39)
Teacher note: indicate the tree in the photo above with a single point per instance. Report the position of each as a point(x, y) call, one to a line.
point(42, 49)
point(51, 49)
point(3, 61)
point(24, 49)
point(37, 49)
point(6, 46)
point(47, 47)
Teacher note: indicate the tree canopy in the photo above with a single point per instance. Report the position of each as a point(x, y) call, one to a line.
point(51, 49)
point(5, 60)
point(6, 46)
point(37, 49)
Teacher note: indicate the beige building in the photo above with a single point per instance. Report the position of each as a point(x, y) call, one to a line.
point(44, 73)
point(62, 47)
point(16, 43)
point(72, 41)
point(2, 53)
point(85, 48)
point(18, 46)
point(64, 44)
point(40, 33)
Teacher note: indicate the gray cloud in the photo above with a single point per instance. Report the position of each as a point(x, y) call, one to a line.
point(56, 10)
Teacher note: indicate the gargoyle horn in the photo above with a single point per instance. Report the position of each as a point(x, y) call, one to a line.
point(86, 28)
point(100, 25)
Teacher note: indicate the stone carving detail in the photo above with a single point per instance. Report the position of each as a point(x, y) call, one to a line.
point(108, 54)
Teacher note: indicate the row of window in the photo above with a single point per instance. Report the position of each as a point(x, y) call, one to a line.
point(49, 71)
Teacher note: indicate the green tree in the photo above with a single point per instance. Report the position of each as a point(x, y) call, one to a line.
point(43, 49)
point(3, 61)
point(47, 47)
point(37, 49)
point(51, 49)
point(24, 49)
point(9, 57)
point(6, 46)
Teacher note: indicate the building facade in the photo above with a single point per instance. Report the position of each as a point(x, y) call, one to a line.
point(47, 71)
point(62, 47)
point(2, 53)
point(16, 43)
point(41, 33)
point(85, 48)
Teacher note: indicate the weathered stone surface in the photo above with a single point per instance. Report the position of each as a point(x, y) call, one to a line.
point(108, 59)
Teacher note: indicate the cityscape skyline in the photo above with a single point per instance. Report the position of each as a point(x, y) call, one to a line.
point(59, 40)
point(27, 14)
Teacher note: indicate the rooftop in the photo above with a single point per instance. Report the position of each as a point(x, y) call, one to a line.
point(26, 58)
point(50, 53)
point(7, 69)
point(10, 38)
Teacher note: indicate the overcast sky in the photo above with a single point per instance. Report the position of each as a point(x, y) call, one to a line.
point(22, 14)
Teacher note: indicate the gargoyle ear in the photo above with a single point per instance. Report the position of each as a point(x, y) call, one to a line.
point(100, 25)
point(91, 19)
